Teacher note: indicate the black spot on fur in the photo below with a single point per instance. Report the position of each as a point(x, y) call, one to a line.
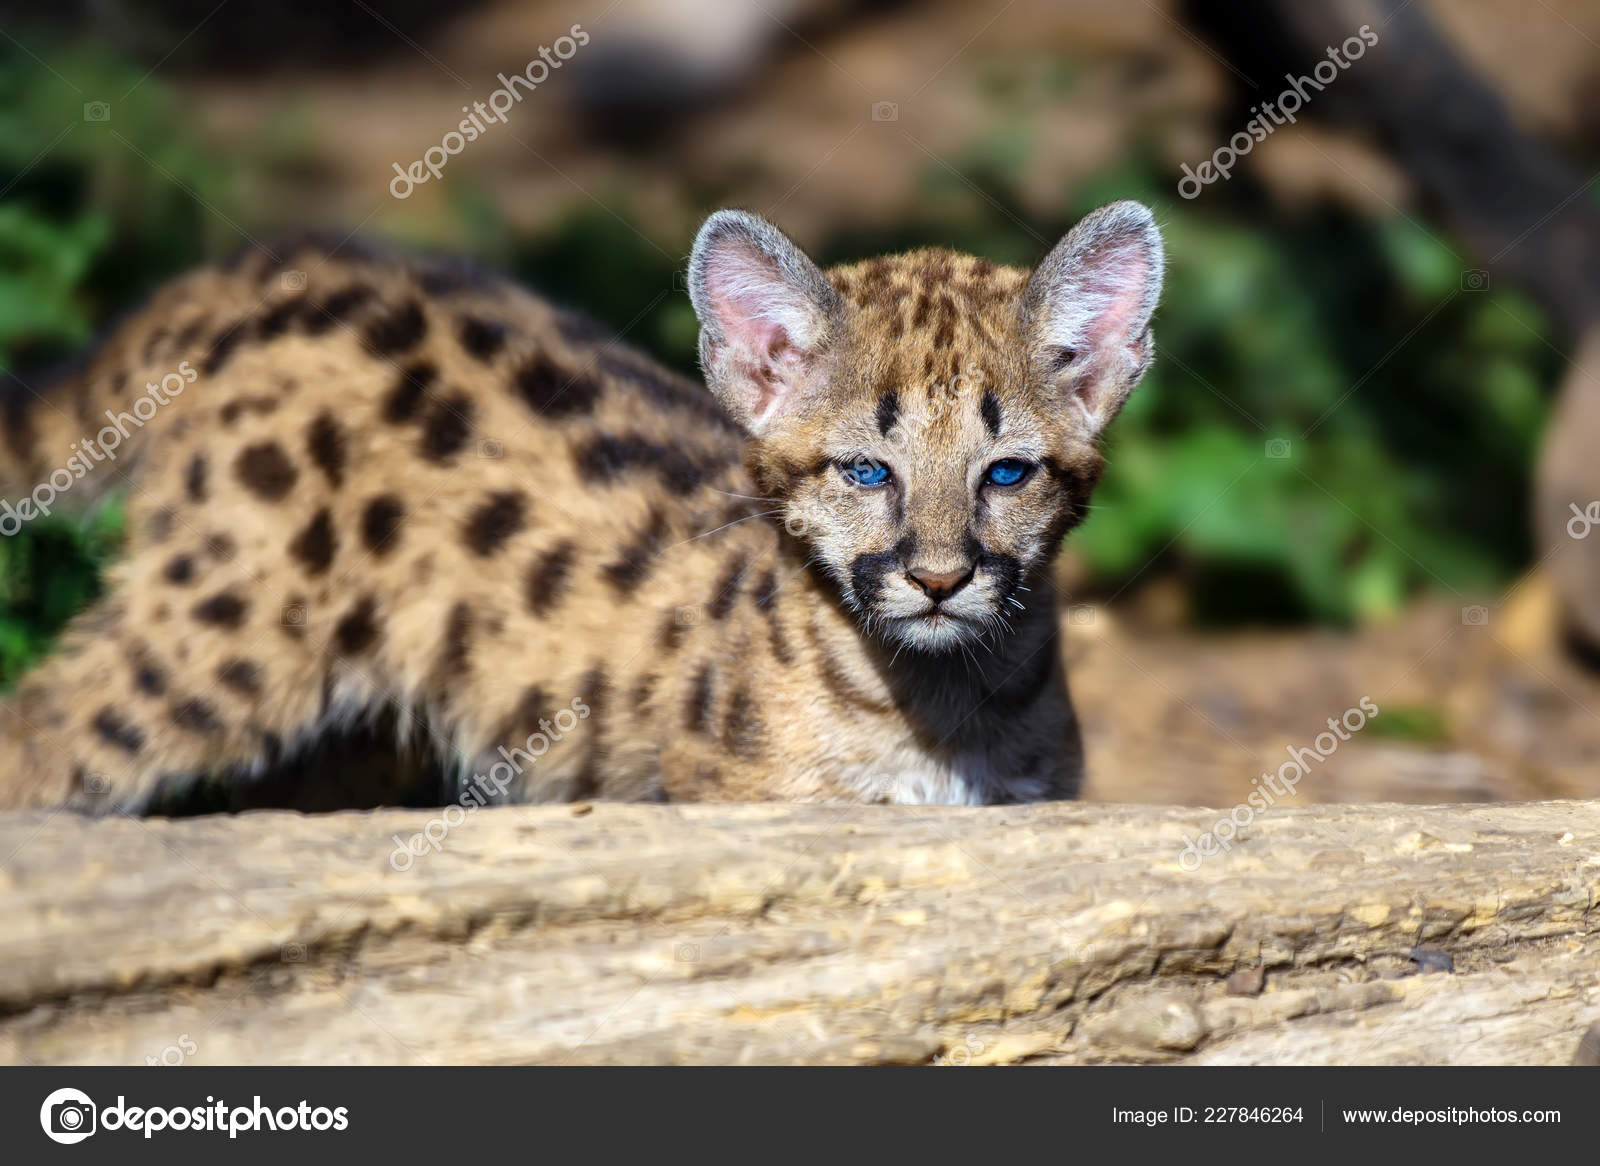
point(380, 523)
point(726, 591)
point(888, 412)
point(697, 711)
point(224, 610)
point(674, 627)
point(240, 675)
point(397, 331)
point(595, 688)
point(196, 716)
point(480, 337)
point(990, 408)
point(191, 333)
point(357, 630)
point(221, 547)
point(405, 399)
point(265, 470)
point(606, 457)
point(116, 731)
point(742, 728)
point(633, 565)
point(326, 442)
point(317, 543)
point(159, 528)
point(552, 391)
point(454, 655)
point(500, 517)
point(766, 598)
point(179, 570)
point(549, 577)
point(148, 677)
point(447, 428)
point(277, 320)
point(194, 478)
point(222, 346)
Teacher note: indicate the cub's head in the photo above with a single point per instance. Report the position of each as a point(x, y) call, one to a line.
point(928, 422)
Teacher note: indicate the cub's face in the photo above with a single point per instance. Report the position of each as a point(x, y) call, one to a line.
point(928, 422)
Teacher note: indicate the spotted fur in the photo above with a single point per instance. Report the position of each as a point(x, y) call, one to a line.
point(392, 486)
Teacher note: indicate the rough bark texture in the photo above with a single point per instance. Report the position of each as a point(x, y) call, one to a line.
point(1060, 933)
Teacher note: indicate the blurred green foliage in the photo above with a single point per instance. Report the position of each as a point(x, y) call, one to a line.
point(1408, 408)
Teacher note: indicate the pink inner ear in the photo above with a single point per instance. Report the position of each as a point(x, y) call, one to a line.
point(1117, 278)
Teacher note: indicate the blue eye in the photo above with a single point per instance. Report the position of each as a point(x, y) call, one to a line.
point(1008, 472)
point(866, 472)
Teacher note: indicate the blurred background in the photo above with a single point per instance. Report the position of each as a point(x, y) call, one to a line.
point(1348, 475)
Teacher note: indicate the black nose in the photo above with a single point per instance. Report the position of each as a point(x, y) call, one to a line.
point(940, 585)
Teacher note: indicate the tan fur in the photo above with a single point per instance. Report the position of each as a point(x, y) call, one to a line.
point(550, 522)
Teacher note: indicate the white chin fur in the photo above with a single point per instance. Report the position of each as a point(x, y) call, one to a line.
point(941, 633)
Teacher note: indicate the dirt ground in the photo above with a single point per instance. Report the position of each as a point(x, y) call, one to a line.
point(1469, 711)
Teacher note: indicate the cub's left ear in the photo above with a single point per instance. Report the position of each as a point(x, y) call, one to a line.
point(1088, 308)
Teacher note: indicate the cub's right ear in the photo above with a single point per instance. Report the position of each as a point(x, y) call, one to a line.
point(767, 316)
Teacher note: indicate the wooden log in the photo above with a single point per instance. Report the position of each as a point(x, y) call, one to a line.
point(818, 934)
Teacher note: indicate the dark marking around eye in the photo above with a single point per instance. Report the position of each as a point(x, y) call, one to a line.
point(400, 330)
point(481, 337)
point(500, 517)
point(888, 411)
point(325, 439)
point(317, 544)
point(406, 397)
point(447, 428)
point(990, 408)
point(380, 522)
point(265, 470)
point(551, 391)
point(116, 731)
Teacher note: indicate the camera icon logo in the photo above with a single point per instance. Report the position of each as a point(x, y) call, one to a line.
point(1475, 616)
point(687, 953)
point(292, 280)
point(292, 953)
point(67, 1116)
point(1081, 614)
point(96, 111)
point(1475, 279)
point(1278, 447)
point(294, 616)
point(885, 111)
point(491, 448)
